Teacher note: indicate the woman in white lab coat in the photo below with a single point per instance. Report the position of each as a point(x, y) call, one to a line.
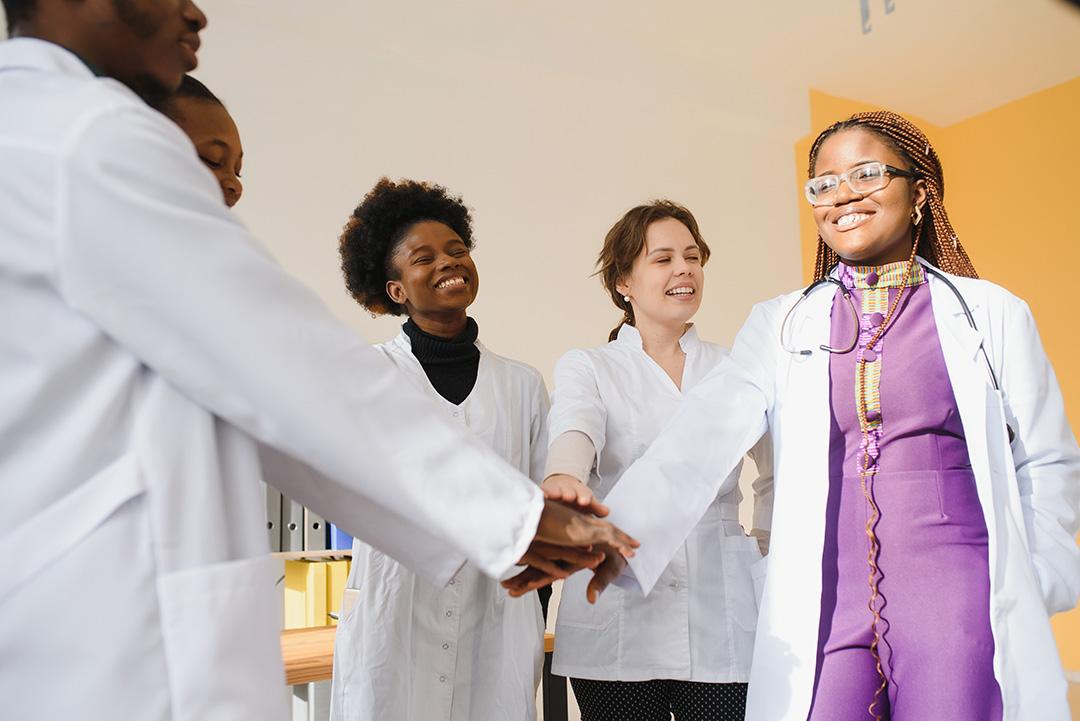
point(685, 649)
point(408, 649)
point(894, 590)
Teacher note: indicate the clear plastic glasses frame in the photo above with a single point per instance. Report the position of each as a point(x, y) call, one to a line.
point(863, 180)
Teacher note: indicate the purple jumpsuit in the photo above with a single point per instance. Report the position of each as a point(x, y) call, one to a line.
point(937, 649)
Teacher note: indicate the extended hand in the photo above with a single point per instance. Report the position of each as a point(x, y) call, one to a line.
point(569, 490)
point(533, 578)
point(559, 561)
point(563, 526)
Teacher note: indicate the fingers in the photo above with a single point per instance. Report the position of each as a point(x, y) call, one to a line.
point(572, 492)
point(564, 526)
point(597, 532)
point(547, 565)
point(560, 561)
point(605, 573)
point(567, 555)
point(528, 580)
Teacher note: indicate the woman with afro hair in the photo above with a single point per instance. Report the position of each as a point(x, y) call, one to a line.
point(407, 649)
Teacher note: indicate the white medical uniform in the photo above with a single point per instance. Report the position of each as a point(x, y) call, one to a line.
point(1029, 491)
point(411, 650)
point(698, 622)
point(155, 365)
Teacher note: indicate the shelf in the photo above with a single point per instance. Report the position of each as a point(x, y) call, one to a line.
point(313, 555)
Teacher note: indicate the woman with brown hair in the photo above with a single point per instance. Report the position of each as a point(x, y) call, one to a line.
point(928, 482)
point(686, 648)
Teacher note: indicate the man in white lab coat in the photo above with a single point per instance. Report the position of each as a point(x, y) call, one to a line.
point(155, 364)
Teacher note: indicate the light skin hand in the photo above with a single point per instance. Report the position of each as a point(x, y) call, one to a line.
point(571, 491)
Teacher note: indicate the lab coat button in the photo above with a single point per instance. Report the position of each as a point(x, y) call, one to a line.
point(869, 356)
point(872, 278)
point(449, 614)
point(445, 646)
point(876, 319)
point(442, 679)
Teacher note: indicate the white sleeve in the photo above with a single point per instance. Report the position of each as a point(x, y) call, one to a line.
point(538, 437)
point(148, 252)
point(1046, 458)
point(663, 495)
point(576, 403)
point(762, 455)
point(396, 536)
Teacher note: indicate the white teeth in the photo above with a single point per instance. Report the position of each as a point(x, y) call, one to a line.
point(681, 291)
point(450, 282)
point(851, 218)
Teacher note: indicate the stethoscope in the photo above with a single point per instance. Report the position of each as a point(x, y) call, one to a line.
point(855, 316)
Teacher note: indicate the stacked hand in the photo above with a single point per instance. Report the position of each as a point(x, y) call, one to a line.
point(571, 536)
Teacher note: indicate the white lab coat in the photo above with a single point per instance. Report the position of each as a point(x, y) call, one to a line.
point(411, 650)
point(155, 365)
point(1030, 496)
point(697, 623)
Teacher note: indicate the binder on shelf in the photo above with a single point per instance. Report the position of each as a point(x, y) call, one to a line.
point(314, 531)
point(339, 540)
point(292, 525)
point(305, 594)
point(273, 517)
point(337, 573)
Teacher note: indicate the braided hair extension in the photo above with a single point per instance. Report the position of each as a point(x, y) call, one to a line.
point(936, 241)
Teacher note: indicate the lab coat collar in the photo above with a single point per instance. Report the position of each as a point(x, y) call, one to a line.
point(36, 54)
point(630, 336)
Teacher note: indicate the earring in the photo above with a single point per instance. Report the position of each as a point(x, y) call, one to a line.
point(916, 215)
point(626, 298)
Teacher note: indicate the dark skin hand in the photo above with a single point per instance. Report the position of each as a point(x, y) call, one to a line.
point(561, 525)
point(567, 541)
point(607, 571)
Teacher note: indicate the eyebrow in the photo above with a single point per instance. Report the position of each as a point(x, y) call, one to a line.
point(672, 250)
point(853, 165)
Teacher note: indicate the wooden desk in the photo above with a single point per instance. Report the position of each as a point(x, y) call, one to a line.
point(309, 656)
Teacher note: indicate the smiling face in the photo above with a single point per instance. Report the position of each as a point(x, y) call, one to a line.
point(666, 281)
point(875, 228)
point(432, 271)
point(146, 44)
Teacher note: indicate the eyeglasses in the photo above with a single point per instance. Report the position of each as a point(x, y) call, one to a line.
point(864, 179)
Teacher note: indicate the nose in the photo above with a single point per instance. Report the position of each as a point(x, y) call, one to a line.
point(232, 189)
point(447, 261)
point(844, 193)
point(195, 17)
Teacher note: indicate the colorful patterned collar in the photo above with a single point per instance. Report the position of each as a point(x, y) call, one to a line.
point(890, 275)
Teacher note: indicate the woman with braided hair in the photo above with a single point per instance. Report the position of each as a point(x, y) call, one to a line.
point(927, 482)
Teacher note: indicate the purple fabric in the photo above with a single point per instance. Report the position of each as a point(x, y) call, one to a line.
point(937, 648)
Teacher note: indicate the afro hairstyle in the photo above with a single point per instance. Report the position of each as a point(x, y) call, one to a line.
point(380, 222)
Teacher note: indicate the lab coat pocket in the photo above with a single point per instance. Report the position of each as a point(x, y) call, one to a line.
point(741, 555)
point(758, 572)
point(221, 629)
point(26, 550)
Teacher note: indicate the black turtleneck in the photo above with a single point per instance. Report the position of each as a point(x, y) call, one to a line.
point(451, 364)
